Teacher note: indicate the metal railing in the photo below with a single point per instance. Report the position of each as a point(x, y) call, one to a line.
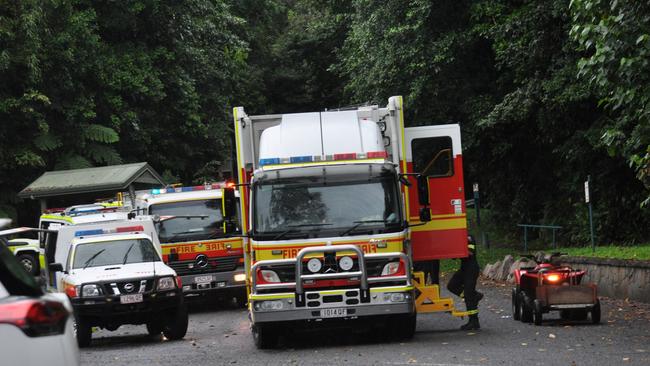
point(553, 228)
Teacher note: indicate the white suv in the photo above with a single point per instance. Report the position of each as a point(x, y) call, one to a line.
point(114, 275)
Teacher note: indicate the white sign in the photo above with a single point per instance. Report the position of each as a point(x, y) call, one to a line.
point(587, 191)
point(475, 187)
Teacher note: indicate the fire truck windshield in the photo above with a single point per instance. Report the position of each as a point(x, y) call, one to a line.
point(318, 208)
point(204, 220)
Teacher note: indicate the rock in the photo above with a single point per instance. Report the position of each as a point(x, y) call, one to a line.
point(502, 271)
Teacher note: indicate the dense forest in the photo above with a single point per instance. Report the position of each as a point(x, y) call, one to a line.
point(546, 92)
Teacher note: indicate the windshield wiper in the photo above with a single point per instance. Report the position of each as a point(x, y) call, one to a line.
point(126, 255)
point(293, 229)
point(359, 223)
point(176, 235)
point(92, 258)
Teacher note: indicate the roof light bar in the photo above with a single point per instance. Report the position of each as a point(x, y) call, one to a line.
point(123, 229)
point(205, 187)
point(317, 158)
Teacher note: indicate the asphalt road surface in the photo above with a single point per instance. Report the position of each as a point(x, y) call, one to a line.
point(221, 336)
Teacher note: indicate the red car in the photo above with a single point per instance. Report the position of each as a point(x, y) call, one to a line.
point(548, 287)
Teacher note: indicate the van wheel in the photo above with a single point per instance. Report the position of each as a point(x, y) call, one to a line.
point(29, 262)
point(84, 332)
point(265, 336)
point(176, 325)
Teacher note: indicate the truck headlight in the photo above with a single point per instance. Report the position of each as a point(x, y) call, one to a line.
point(166, 283)
point(90, 290)
point(314, 265)
point(390, 269)
point(270, 276)
point(240, 277)
point(346, 263)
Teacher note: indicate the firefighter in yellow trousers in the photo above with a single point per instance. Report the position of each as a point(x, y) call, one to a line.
point(463, 284)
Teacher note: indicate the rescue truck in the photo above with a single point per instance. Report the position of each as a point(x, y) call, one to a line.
point(191, 231)
point(337, 206)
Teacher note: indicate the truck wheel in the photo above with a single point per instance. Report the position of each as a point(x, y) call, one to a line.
point(525, 309)
point(537, 312)
point(595, 313)
point(176, 325)
point(265, 336)
point(516, 315)
point(84, 332)
point(241, 300)
point(403, 326)
point(29, 262)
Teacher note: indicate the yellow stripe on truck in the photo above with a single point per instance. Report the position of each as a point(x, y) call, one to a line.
point(444, 224)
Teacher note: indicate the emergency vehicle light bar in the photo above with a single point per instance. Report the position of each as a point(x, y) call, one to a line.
point(334, 157)
point(205, 187)
point(124, 229)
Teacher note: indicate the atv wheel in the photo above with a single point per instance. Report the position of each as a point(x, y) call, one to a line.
point(595, 313)
point(176, 325)
point(537, 312)
point(525, 309)
point(516, 315)
point(265, 336)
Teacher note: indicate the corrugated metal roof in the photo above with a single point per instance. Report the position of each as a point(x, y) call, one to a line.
point(76, 181)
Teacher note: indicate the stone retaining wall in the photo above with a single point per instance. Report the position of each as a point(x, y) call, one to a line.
point(616, 278)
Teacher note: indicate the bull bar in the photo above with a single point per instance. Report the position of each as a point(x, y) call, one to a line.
point(361, 273)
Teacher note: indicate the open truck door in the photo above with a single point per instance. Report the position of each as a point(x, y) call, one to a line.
point(434, 153)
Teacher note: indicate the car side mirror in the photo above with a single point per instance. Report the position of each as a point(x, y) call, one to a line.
point(56, 267)
point(425, 214)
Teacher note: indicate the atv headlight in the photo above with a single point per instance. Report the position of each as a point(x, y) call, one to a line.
point(90, 290)
point(166, 283)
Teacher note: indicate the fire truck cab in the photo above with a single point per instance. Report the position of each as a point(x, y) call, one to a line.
point(338, 205)
point(191, 230)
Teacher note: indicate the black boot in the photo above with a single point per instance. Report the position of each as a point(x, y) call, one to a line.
point(479, 296)
point(472, 324)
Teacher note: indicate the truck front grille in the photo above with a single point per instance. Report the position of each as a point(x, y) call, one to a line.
point(215, 264)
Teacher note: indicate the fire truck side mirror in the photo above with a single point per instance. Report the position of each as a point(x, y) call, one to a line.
point(423, 190)
point(228, 207)
point(425, 214)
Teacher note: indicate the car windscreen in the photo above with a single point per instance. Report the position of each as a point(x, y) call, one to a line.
point(199, 220)
point(319, 208)
point(114, 252)
point(13, 276)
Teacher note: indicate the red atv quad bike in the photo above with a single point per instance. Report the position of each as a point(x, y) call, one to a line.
point(547, 287)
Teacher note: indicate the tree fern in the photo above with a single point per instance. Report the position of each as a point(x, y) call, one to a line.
point(100, 133)
point(103, 154)
point(72, 161)
point(47, 142)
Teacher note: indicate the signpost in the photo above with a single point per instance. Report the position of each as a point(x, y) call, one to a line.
point(591, 220)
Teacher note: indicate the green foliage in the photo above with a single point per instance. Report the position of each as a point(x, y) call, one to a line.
point(615, 39)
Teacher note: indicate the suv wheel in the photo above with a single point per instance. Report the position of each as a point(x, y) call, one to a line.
point(83, 332)
point(154, 328)
point(176, 325)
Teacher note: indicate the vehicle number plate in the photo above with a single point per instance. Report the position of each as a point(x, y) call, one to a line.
point(203, 279)
point(130, 299)
point(333, 313)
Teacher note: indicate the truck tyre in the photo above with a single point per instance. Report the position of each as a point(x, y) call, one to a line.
point(241, 300)
point(265, 336)
point(537, 312)
point(83, 332)
point(595, 313)
point(29, 262)
point(516, 315)
point(176, 326)
point(405, 325)
point(525, 309)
